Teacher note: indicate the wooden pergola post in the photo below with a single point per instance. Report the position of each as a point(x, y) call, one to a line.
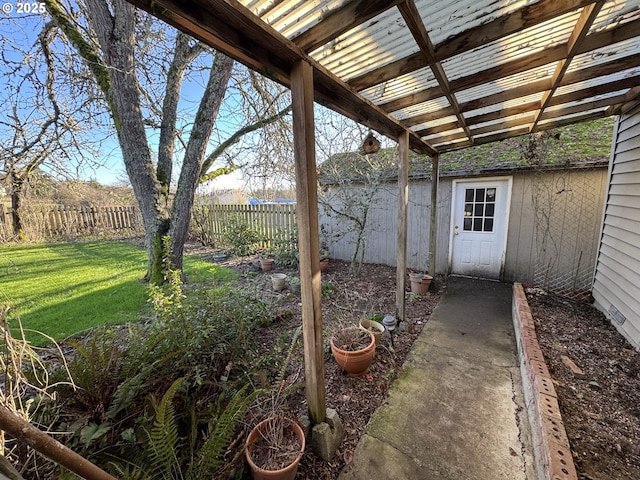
point(403, 201)
point(433, 229)
point(308, 237)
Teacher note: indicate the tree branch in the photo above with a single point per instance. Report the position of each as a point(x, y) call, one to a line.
point(87, 52)
point(235, 138)
point(182, 57)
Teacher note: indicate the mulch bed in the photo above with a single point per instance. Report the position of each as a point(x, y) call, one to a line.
point(346, 301)
point(600, 396)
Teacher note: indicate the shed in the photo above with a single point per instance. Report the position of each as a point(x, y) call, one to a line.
point(553, 202)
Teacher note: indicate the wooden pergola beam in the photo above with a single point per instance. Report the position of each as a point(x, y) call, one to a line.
point(412, 17)
point(630, 98)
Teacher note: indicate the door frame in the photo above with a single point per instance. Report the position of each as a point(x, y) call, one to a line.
point(454, 192)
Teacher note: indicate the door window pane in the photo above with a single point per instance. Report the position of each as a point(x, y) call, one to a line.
point(469, 195)
point(479, 209)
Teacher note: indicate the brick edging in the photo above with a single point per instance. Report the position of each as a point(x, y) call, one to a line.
point(551, 449)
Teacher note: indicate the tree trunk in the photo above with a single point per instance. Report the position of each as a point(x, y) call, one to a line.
point(195, 153)
point(16, 198)
point(114, 69)
point(116, 35)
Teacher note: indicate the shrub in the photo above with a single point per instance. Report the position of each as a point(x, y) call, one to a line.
point(284, 246)
point(203, 335)
point(240, 238)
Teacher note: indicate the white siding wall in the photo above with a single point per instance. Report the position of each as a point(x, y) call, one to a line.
point(617, 278)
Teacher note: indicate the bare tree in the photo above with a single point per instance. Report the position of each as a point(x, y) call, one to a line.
point(45, 125)
point(352, 180)
point(141, 68)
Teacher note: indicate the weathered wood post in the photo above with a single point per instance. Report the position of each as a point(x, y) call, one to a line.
point(49, 447)
point(433, 229)
point(403, 199)
point(308, 237)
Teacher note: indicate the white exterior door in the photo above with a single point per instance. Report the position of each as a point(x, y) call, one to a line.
point(480, 216)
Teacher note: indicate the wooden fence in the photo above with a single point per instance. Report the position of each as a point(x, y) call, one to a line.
point(210, 220)
point(49, 221)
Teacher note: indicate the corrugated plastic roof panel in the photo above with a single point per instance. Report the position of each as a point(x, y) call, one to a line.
point(401, 86)
point(421, 108)
point(595, 82)
point(292, 17)
point(487, 72)
point(614, 14)
point(511, 48)
point(371, 45)
point(446, 18)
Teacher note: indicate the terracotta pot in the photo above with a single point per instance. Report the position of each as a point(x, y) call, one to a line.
point(324, 264)
point(287, 473)
point(420, 282)
point(375, 327)
point(266, 264)
point(355, 362)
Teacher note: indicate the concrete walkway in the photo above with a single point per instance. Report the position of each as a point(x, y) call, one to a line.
point(456, 410)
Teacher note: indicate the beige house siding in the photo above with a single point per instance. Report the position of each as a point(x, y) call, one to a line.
point(617, 278)
point(554, 228)
point(553, 231)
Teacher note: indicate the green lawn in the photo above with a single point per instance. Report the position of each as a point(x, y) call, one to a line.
point(62, 289)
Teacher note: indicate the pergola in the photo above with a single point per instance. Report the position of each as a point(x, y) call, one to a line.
point(434, 75)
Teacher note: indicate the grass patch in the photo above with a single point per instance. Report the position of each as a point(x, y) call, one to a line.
point(62, 289)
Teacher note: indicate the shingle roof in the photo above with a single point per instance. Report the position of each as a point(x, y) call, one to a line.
point(585, 145)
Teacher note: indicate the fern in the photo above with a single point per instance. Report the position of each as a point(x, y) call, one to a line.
point(210, 456)
point(163, 438)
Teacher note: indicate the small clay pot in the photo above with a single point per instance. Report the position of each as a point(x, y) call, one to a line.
point(266, 264)
point(420, 283)
point(278, 281)
point(375, 327)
